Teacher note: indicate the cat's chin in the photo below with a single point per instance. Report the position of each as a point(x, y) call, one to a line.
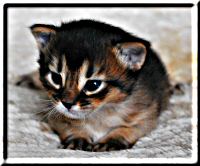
point(74, 112)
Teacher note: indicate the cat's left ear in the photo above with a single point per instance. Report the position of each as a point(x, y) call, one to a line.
point(43, 34)
point(131, 54)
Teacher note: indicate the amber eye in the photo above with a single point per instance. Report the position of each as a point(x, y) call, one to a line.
point(93, 86)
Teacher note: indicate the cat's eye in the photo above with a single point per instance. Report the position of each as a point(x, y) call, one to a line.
point(55, 79)
point(93, 86)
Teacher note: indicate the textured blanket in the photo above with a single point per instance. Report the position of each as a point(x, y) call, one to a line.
point(28, 136)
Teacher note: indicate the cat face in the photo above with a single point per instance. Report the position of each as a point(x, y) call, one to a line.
point(85, 65)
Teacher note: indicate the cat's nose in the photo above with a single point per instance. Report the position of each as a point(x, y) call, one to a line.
point(67, 105)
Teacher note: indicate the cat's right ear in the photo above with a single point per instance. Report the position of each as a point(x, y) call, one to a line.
point(43, 34)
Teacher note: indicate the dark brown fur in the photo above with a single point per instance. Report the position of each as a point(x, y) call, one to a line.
point(135, 86)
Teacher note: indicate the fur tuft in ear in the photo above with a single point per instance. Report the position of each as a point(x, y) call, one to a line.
point(131, 54)
point(43, 33)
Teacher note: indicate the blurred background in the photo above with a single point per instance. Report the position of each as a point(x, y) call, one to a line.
point(168, 29)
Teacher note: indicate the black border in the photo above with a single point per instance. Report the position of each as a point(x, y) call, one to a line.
point(66, 5)
point(5, 88)
point(99, 5)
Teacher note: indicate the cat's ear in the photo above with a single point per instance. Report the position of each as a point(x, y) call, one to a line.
point(43, 33)
point(131, 54)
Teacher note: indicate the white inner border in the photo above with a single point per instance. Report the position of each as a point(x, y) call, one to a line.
point(193, 159)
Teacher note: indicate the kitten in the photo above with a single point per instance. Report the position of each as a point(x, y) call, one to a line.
point(108, 85)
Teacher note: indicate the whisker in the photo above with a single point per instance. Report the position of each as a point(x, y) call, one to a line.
point(47, 109)
point(52, 113)
point(48, 105)
point(45, 116)
point(45, 99)
point(40, 112)
point(59, 116)
point(42, 118)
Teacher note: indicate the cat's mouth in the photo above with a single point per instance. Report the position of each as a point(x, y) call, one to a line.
point(75, 112)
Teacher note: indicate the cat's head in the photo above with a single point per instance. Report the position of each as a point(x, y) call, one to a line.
point(87, 64)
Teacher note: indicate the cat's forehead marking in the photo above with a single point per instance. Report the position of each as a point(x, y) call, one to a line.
point(83, 75)
point(53, 65)
point(59, 66)
point(63, 69)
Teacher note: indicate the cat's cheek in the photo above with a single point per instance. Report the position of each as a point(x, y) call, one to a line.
point(50, 94)
point(115, 96)
point(96, 102)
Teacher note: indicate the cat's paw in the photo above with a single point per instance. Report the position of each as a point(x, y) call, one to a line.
point(77, 144)
point(29, 80)
point(112, 144)
point(24, 80)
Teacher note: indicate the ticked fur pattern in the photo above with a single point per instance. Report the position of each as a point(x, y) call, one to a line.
point(108, 85)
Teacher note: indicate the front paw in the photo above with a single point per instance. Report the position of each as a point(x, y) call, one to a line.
point(30, 80)
point(112, 144)
point(77, 144)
